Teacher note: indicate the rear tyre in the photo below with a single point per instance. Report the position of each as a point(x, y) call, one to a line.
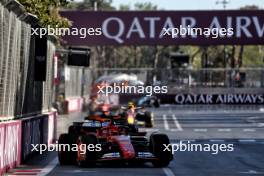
point(89, 156)
point(148, 119)
point(156, 145)
point(72, 130)
point(67, 157)
point(156, 104)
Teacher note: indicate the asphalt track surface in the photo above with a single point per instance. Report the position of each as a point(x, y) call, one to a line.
point(244, 128)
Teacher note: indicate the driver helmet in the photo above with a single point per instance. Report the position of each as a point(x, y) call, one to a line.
point(105, 110)
point(130, 105)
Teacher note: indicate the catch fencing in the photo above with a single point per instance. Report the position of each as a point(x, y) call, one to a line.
point(80, 82)
point(73, 81)
point(191, 78)
point(48, 85)
point(14, 54)
point(20, 94)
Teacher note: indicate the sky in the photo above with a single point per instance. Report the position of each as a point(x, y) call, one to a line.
point(193, 4)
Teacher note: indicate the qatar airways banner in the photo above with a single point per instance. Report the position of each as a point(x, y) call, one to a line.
point(182, 99)
point(165, 27)
point(219, 99)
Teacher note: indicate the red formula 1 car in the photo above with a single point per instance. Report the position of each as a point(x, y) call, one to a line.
point(138, 116)
point(111, 139)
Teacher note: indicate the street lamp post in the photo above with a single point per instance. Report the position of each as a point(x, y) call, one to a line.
point(224, 3)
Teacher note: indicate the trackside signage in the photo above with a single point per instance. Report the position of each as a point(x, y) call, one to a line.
point(10, 145)
point(219, 99)
point(149, 27)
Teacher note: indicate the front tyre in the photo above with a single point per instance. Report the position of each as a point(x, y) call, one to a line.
point(156, 103)
point(67, 157)
point(149, 119)
point(86, 157)
point(156, 146)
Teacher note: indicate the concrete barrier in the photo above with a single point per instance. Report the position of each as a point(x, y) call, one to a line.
point(17, 137)
point(32, 133)
point(10, 145)
point(73, 105)
point(52, 127)
point(39, 129)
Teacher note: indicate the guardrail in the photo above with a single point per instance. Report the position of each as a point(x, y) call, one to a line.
point(39, 129)
point(17, 137)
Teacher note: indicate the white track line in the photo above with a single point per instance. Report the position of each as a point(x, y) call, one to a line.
point(249, 130)
point(260, 124)
point(166, 125)
point(200, 130)
point(46, 170)
point(247, 140)
point(224, 129)
point(217, 140)
point(168, 171)
point(148, 130)
point(176, 122)
point(252, 172)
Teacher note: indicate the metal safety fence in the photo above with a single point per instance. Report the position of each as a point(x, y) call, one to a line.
point(73, 81)
point(14, 53)
point(189, 79)
point(88, 78)
point(20, 93)
point(80, 82)
point(48, 88)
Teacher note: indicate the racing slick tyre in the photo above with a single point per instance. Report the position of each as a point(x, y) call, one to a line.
point(156, 145)
point(148, 119)
point(71, 130)
point(156, 104)
point(67, 157)
point(87, 158)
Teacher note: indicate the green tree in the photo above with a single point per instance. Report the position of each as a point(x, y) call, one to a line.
point(100, 53)
point(145, 6)
point(47, 11)
point(91, 5)
point(249, 56)
point(124, 7)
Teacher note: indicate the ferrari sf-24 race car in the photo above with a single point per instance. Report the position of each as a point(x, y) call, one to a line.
point(118, 141)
